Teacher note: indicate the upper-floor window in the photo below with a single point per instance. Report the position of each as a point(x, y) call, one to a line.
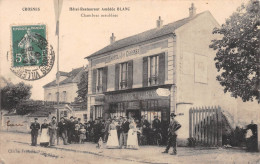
point(57, 96)
point(49, 97)
point(123, 75)
point(64, 96)
point(99, 79)
point(154, 69)
point(153, 66)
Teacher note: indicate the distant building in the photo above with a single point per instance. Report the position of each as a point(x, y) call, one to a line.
point(67, 86)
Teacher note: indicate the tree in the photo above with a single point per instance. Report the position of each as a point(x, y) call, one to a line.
point(12, 94)
point(83, 88)
point(237, 56)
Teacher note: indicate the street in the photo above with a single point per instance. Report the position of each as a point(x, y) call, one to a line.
point(15, 147)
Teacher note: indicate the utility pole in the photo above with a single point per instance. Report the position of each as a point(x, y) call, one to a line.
point(57, 9)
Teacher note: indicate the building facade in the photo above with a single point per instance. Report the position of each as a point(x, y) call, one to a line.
point(169, 68)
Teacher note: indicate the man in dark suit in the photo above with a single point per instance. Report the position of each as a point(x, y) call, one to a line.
point(63, 130)
point(71, 130)
point(124, 133)
point(172, 135)
point(145, 125)
point(35, 126)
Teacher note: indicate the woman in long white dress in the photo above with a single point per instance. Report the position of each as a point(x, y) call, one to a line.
point(45, 138)
point(132, 141)
point(112, 141)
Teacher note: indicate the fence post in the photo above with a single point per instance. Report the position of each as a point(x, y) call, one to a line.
point(215, 126)
point(193, 122)
point(219, 126)
point(199, 128)
point(203, 126)
point(207, 125)
point(190, 122)
point(197, 120)
point(211, 126)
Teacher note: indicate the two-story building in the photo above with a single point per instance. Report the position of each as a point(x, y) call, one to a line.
point(67, 92)
point(67, 86)
point(169, 68)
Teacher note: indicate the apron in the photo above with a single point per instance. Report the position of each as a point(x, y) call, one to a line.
point(45, 136)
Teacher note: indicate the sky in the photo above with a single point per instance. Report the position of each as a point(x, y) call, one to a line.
point(82, 36)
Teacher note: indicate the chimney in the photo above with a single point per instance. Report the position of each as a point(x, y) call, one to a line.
point(112, 39)
point(192, 10)
point(159, 22)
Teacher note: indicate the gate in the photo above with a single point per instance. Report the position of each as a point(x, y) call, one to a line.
point(205, 126)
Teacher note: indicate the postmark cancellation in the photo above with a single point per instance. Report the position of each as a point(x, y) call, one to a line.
point(32, 58)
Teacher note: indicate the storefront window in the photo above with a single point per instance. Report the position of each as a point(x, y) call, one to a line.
point(117, 110)
point(149, 115)
point(123, 75)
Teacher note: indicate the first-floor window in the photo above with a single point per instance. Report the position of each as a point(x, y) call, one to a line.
point(99, 79)
point(153, 69)
point(123, 75)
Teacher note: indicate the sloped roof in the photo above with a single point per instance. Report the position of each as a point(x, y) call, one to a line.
point(63, 73)
point(145, 36)
point(70, 78)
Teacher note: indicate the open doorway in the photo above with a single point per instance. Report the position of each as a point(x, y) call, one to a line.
point(136, 114)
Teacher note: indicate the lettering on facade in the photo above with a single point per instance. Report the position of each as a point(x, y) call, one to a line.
point(117, 56)
point(143, 95)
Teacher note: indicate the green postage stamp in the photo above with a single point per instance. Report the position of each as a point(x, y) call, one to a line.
point(32, 59)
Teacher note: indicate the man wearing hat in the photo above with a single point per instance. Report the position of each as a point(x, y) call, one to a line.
point(172, 135)
point(53, 126)
point(35, 126)
point(124, 133)
point(63, 130)
point(71, 130)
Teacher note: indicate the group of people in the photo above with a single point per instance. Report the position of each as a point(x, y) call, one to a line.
point(116, 132)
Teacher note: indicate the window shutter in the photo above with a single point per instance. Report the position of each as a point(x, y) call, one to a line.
point(145, 71)
point(117, 68)
point(130, 74)
point(94, 80)
point(104, 79)
point(161, 76)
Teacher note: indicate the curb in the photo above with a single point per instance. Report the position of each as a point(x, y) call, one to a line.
point(94, 153)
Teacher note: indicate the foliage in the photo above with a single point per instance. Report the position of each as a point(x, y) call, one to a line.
point(237, 57)
point(83, 88)
point(12, 94)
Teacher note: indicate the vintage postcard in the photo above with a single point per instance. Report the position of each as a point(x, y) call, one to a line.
point(129, 81)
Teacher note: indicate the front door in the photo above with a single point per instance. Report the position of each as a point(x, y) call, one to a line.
point(136, 114)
